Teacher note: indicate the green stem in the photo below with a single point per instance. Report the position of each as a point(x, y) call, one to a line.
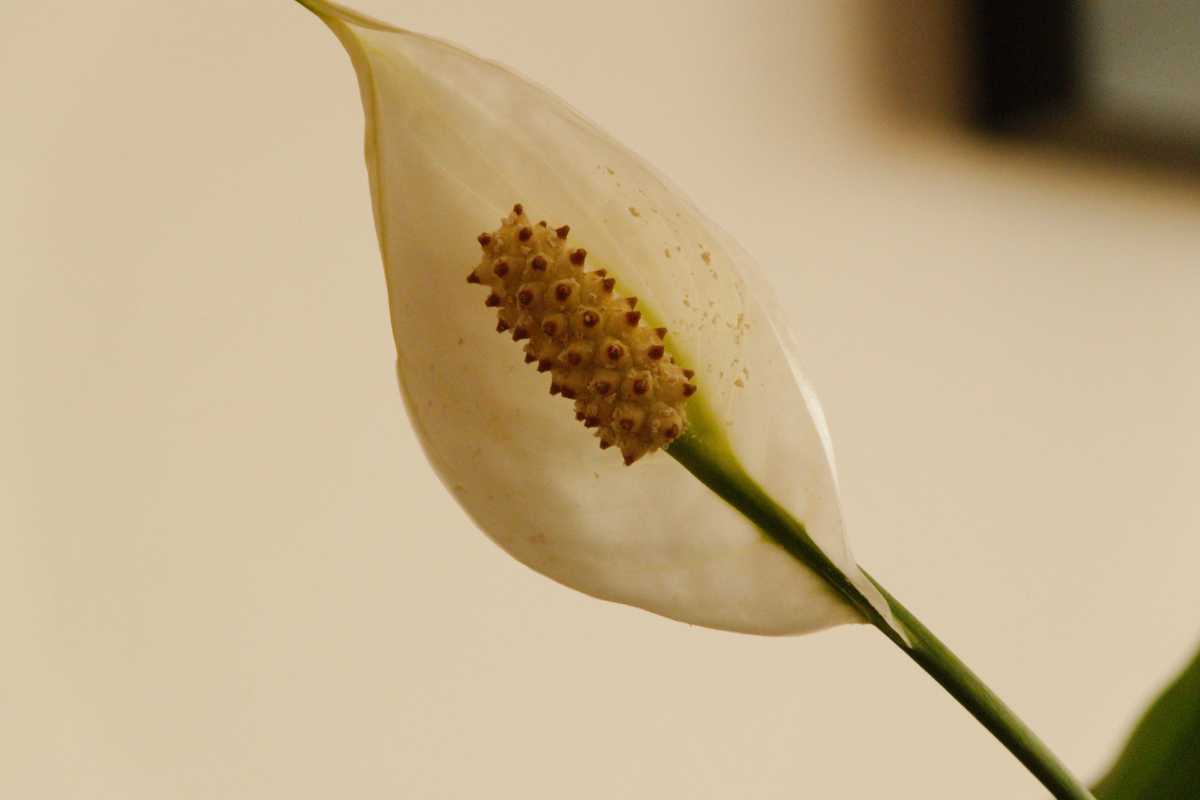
point(716, 468)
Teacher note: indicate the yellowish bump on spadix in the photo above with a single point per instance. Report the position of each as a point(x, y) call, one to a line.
point(600, 354)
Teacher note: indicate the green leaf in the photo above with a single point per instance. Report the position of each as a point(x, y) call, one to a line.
point(1161, 760)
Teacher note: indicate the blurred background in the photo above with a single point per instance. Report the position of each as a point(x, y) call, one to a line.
point(227, 572)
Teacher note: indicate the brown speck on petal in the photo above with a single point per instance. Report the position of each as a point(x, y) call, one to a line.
point(525, 234)
point(578, 256)
point(563, 231)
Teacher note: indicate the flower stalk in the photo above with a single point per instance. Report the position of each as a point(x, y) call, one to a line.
point(719, 470)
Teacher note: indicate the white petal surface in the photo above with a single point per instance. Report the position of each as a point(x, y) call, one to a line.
point(452, 142)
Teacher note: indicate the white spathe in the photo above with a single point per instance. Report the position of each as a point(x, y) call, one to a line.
point(452, 141)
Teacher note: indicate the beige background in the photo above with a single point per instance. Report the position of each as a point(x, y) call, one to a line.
point(225, 570)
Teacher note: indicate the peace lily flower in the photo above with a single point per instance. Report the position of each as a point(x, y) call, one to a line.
point(656, 333)
point(453, 142)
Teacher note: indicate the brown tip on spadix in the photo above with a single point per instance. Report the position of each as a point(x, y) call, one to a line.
point(545, 365)
point(541, 223)
point(472, 277)
point(578, 257)
point(591, 422)
point(629, 459)
point(568, 392)
point(579, 416)
point(689, 389)
point(500, 268)
point(492, 300)
point(608, 284)
point(655, 352)
point(600, 273)
point(538, 263)
point(530, 358)
point(605, 444)
point(520, 332)
point(525, 234)
point(632, 318)
point(662, 332)
point(501, 326)
point(518, 209)
point(689, 373)
point(631, 301)
point(555, 388)
point(484, 239)
point(563, 231)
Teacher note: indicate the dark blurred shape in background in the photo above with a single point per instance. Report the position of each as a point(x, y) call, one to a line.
point(1115, 79)
point(1023, 63)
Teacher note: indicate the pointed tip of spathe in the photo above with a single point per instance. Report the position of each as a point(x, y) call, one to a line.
point(330, 12)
